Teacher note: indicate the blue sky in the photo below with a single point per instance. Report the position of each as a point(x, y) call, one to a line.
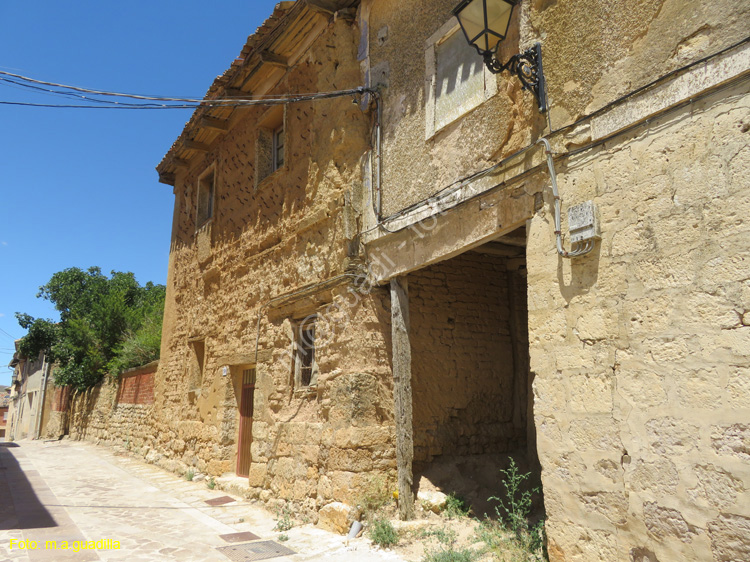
point(78, 186)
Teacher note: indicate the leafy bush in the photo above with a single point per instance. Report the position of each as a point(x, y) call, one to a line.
point(189, 474)
point(382, 533)
point(375, 495)
point(211, 483)
point(106, 324)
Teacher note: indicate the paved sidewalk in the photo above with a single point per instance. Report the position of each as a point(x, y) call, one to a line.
point(74, 491)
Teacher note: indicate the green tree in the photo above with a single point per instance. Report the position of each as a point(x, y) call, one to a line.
point(107, 324)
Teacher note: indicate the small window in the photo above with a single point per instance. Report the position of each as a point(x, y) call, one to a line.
point(205, 198)
point(278, 148)
point(197, 364)
point(270, 145)
point(305, 366)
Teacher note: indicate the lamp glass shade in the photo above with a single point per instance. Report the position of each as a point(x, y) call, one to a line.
point(484, 22)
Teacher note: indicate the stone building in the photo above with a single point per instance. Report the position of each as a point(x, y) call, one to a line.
point(4, 406)
point(28, 391)
point(625, 371)
point(376, 287)
point(274, 365)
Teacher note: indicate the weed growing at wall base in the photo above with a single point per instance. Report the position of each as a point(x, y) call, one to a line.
point(284, 521)
point(447, 549)
point(512, 538)
point(382, 533)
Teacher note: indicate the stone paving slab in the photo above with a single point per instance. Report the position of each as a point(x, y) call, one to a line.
point(76, 491)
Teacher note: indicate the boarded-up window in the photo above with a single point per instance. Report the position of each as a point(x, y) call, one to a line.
point(60, 400)
point(456, 78)
point(197, 362)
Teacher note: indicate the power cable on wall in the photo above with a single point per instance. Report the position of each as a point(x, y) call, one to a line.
point(451, 188)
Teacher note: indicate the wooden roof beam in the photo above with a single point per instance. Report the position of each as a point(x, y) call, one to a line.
point(194, 145)
point(167, 179)
point(273, 59)
point(213, 123)
point(322, 6)
point(236, 93)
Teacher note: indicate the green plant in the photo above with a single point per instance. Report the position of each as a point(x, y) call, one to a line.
point(451, 555)
point(189, 474)
point(382, 532)
point(512, 536)
point(211, 483)
point(284, 520)
point(515, 509)
point(447, 550)
point(375, 495)
point(283, 537)
point(455, 507)
point(442, 535)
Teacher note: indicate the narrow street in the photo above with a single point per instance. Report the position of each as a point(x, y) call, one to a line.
point(78, 492)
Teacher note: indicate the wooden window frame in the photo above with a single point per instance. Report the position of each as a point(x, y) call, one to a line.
point(305, 353)
point(278, 146)
point(206, 181)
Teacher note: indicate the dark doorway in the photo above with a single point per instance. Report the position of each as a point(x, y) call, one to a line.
point(472, 403)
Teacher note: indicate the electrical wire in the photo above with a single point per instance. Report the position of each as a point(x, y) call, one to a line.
point(651, 84)
point(6, 334)
point(172, 102)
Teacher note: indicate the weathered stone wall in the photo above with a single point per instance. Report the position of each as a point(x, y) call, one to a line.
point(296, 228)
point(95, 415)
point(414, 168)
point(596, 51)
point(468, 398)
point(641, 350)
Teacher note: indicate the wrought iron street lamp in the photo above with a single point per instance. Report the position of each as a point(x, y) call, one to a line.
point(485, 23)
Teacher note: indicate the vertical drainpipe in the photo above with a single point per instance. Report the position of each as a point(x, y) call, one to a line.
point(43, 390)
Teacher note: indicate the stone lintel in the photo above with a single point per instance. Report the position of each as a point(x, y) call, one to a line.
point(447, 234)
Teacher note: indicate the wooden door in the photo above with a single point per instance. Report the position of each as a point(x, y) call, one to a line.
point(246, 422)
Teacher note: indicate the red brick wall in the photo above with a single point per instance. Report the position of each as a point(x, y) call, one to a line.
point(136, 389)
point(60, 401)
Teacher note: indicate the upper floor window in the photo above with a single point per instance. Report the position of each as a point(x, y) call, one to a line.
point(270, 145)
point(456, 78)
point(278, 148)
point(205, 203)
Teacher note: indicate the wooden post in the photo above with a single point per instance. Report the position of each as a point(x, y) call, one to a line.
point(402, 395)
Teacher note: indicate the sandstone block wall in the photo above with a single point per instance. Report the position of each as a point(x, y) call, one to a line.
point(294, 228)
point(641, 350)
point(96, 415)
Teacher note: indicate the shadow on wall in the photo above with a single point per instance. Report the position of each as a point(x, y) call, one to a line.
point(584, 273)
